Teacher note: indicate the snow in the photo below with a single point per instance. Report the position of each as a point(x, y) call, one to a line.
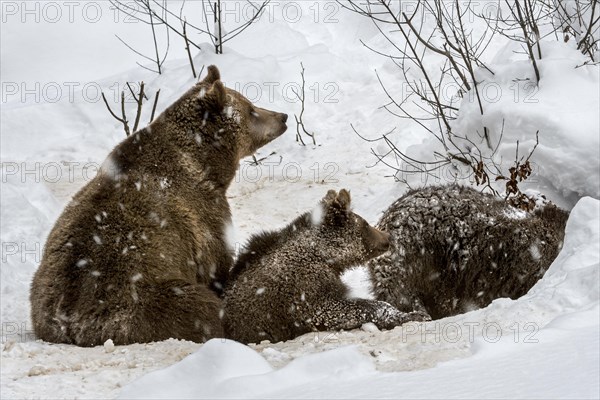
point(558, 109)
point(317, 215)
point(543, 345)
point(109, 346)
point(201, 376)
point(346, 373)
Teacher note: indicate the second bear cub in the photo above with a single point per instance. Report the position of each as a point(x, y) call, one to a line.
point(287, 283)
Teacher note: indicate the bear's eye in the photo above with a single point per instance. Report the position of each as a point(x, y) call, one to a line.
point(254, 113)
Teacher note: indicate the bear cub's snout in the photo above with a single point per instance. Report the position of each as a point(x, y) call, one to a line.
point(378, 242)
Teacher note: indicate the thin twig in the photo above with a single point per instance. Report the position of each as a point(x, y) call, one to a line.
point(154, 105)
point(299, 118)
point(121, 120)
point(187, 49)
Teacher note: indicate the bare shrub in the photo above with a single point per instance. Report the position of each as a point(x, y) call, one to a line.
point(412, 42)
point(158, 14)
point(579, 21)
point(300, 127)
point(139, 100)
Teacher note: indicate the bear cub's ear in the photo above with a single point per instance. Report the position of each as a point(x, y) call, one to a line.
point(330, 197)
point(338, 201)
point(342, 201)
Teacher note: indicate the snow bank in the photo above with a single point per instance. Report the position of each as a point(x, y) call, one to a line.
point(566, 165)
point(227, 369)
point(39, 370)
point(572, 281)
point(530, 347)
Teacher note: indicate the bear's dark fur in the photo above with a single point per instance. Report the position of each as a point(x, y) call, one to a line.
point(141, 254)
point(287, 283)
point(455, 249)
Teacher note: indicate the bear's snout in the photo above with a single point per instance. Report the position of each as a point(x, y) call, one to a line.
point(281, 119)
point(378, 242)
point(384, 240)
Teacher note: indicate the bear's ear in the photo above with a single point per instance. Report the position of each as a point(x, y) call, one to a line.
point(337, 207)
point(337, 202)
point(212, 76)
point(342, 201)
point(216, 97)
point(330, 196)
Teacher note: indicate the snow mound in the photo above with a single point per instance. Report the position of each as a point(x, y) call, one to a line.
point(227, 369)
point(565, 164)
point(572, 281)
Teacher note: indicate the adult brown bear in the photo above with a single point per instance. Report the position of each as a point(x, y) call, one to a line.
point(141, 254)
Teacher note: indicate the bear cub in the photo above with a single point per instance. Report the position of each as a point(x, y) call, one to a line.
point(287, 283)
point(455, 249)
point(141, 252)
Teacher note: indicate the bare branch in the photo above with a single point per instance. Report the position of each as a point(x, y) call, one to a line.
point(121, 120)
point(187, 49)
point(299, 120)
point(146, 10)
point(234, 32)
point(139, 99)
point(154, 105)
point(412, 41)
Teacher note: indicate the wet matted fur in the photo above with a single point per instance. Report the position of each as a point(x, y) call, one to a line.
point(455, 249)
